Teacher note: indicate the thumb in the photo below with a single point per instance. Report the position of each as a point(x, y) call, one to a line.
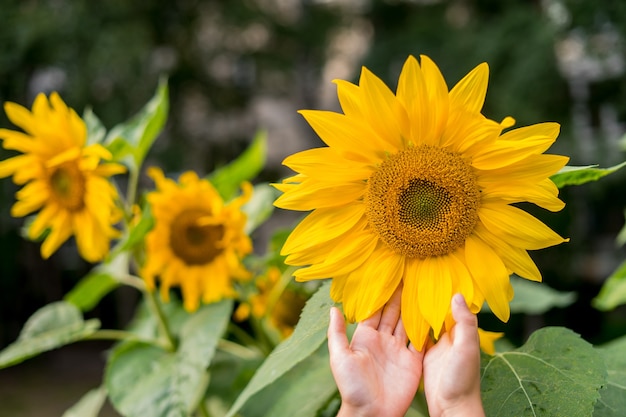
point(337, 339)
point(466, 327)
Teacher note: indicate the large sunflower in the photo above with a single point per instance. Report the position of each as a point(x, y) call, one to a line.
point(63, 178)
point(419, 188)
point(197, 242)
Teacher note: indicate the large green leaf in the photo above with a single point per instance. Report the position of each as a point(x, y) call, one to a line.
point(578, 175)
point(613, 291)
point(98, 282)
point(90, 405)
point(302, 391)
point(556, 373)
point(52, 326)
point(227, 179)
point(144, 380)
point(307, 337)
point(130, 141)
point(613, 395)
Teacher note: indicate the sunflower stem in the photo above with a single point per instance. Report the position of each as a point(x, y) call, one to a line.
point(131, 192)
point(156, 309)
point(248, 340)
point(132, 281)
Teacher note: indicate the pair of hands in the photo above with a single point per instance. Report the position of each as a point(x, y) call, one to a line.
point(378, 374)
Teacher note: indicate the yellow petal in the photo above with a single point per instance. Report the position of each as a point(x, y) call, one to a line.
point(384, 113)
point(413, 94)
point(313, 194)
point(517, 227)
point(416, 327)
point(434, 290)
point(471, 90)
point(325, 164)
point(487, 340)
point(543, 193)
point(490, 275)
point(61, 230)
point(345, 257)
point(516, 145)
point(515, 259)
point(321, 226)
point(372, 284)
point(438, 97)
point(345, 135)
point(532, 168)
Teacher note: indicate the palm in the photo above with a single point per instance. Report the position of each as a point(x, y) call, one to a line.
point(378, 358)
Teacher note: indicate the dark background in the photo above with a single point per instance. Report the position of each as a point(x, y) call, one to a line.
point(238, 66)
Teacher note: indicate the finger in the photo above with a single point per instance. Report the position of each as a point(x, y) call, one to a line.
point(391, 312)
point(466, 327)
point(400, 332)
point(374, 320)
point(337, 340)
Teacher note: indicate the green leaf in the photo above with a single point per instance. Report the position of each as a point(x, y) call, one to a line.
point(98, 282)
point(227, 179)
point(52, 326)
point(88, 406)
point(130, 141)
point(144, 380)
point(137, 232)
point(536, 297)
point(556, 373)
point(307, 337)
point(578, 175)
point(613, 291)
point(95, 129)
point(260, 207)
point(612, 402)
point(621, 236)
point(302, 391)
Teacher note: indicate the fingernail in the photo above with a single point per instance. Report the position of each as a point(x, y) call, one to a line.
point(459, 299)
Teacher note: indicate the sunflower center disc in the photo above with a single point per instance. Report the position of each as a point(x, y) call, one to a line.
point(194, 242)
point(68, 186)
point(423, 201)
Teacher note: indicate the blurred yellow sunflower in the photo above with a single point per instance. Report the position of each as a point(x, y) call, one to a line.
point(197, 242)
point(418, 187)
point(276, 301)
point(63, 178)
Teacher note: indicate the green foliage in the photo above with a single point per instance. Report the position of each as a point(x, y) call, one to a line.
point(301, 391)
point(612, 402)
point(147, 380)
point(308, 336)
point(98, 282)
point(536, 298)
point(90, 405)
point(556, 373)
point(52, 326)
point(260, 207)
point(227, 179)
point(578, 175)
point(613, 291)
point(130, 141)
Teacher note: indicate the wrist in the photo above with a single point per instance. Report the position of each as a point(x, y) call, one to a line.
point(471, 407)
point(347, 410)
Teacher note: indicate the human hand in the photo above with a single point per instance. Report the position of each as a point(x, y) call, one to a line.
point(452, 368)
point(376, 373)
